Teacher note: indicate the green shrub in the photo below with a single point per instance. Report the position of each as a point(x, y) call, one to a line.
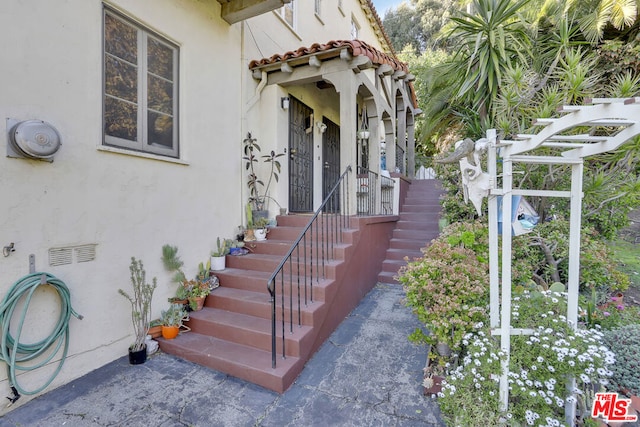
point(447, 290)
point(625, 344)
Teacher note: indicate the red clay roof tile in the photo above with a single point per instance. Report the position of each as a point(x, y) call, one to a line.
point(355, 47)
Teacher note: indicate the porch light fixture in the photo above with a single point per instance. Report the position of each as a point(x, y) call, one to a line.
point(363, 132)
point(284, 102)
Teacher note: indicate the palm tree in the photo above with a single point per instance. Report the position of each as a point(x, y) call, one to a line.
point(591, 16)
point(489, 40)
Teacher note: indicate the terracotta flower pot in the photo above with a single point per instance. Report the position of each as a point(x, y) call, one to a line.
point(199, 303)
point(155, 331)
point(170, 332)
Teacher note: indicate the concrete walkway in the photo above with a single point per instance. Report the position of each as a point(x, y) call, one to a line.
point(366, 374)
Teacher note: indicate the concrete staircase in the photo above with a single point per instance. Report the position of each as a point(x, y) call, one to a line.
point(232, 333)
point(416, 227)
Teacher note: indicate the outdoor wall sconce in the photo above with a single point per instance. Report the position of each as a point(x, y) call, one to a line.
point(321, 127)
point(284, 102)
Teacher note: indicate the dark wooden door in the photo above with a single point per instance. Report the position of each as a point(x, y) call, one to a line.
point(300, 157)
point(330, 163)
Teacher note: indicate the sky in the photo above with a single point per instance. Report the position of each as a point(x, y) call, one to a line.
point(383, 5)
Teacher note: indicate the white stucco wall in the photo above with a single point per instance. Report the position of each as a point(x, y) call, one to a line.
point(268, 34)
point(127, 205)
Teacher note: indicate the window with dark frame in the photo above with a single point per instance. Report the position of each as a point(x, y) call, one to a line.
point(140, 110)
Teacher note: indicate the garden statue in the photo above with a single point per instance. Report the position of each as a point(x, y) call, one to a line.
point(475, 182)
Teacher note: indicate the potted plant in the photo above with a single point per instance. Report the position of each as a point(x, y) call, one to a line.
point(218, 256)
point(197, 292)
point(236, 247)
point(155, 328)
point(249, 235)
point(140, 310)
point(173, 263)
point(260, 228)
point(172, 319)
point(258, 191)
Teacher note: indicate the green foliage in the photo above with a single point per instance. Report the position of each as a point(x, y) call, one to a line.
point(615, 58)
point(447, 291)
point(487, 41)
point(628, 262)
point(173, 263)
point(140, 302)
point(625, 344)
point(222, 247)
point(174, 315)
point(607, 312)
point(413, 27)
point(258, 190)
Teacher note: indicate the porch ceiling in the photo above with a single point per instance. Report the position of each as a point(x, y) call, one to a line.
point(238, 10)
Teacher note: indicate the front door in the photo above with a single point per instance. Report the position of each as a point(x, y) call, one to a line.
point(330, 163)
point(300, 157)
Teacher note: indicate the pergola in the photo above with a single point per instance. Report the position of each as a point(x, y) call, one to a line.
point(609, 122)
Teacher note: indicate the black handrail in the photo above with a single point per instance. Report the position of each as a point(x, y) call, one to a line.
point(323, 233)
point(367, 200)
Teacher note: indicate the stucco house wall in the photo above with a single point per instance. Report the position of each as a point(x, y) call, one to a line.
point(126, 204)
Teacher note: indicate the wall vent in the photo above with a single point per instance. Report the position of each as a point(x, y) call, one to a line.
point(70, 254)
point(60, 256)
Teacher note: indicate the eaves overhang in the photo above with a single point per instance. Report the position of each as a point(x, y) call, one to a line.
point(238, 10)
point(346, 49)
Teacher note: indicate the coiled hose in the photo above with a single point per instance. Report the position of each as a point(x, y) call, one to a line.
point(17, 354)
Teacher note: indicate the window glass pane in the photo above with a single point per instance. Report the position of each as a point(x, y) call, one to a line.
point(120, 39)
point(160, 59)
point(121, 79)
point(287, 13)
point(120, 119)
point(160, 94)
point(160, 129)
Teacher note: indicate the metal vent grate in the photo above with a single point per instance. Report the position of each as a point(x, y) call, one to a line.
point(60, 256)
point(85, 253)
point(71, 254)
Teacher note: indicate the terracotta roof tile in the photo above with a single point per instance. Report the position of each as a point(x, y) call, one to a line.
point(355, 47)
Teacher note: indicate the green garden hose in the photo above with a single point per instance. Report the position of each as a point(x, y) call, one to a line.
point(17, 354)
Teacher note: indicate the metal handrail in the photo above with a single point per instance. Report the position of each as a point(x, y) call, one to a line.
point(322, 232)
point(368, 202)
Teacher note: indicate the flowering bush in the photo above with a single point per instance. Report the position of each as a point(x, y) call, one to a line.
point(609, 315)
point(446, 289)
point(539, 366)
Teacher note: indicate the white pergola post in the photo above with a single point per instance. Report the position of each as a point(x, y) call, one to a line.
point(558, 134)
